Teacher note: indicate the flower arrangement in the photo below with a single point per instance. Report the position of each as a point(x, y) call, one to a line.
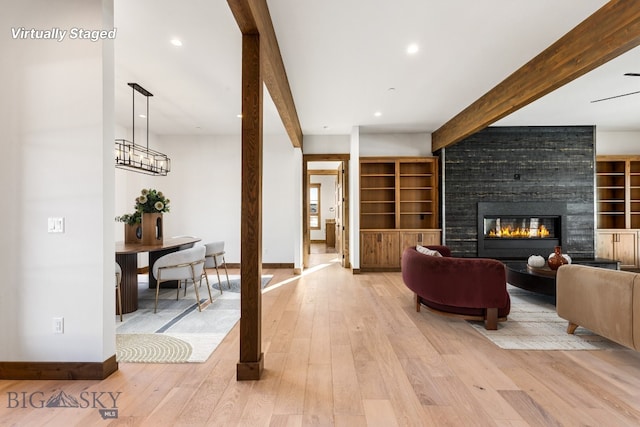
point(151, 201)
point(130, 219)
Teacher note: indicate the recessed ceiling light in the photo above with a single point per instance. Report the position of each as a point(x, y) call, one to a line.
point(377, 114)
point(239, 116)
point(412, 49)
point(142, 116)
point(176, 42)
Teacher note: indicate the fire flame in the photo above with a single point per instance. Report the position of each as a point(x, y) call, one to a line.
point(508, 232)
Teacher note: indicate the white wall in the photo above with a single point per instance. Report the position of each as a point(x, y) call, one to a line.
point(56, 114)
point(281, 200)
point(204, 187)
point(326, 144)
point(296, 225)
point(617, 143)
point(395, 144)
point(371, 144)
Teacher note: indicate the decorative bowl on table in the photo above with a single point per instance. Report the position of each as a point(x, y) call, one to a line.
point(536, 264)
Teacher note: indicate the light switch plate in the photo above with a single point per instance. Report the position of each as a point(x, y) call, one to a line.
point(58, 325)
point(56, 225)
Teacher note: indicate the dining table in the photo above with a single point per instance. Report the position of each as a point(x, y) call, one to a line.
point(127, 257)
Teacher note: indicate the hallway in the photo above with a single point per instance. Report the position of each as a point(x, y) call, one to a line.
point(320, 254)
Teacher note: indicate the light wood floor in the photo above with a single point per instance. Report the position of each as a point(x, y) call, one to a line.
point(350, 350)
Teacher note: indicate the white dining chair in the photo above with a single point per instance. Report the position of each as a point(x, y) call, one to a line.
point(184, 266)
point(214, 258)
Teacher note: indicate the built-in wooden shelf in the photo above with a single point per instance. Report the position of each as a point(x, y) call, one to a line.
point(618, 209)
point(398, 207)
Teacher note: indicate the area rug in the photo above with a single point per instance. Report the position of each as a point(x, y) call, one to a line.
point(178, 332)
point(158, 347)
point(232, 286)
point(534, 325)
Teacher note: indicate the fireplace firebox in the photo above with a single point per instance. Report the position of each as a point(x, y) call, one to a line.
point(516, 230)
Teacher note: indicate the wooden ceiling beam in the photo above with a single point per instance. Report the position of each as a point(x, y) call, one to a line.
point(610, 31)
point(253, 17)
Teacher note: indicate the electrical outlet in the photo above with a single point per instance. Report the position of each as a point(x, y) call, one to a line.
point(58, 325)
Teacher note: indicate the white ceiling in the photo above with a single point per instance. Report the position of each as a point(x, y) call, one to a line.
point(346, 60)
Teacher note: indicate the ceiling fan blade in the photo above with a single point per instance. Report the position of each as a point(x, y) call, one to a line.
point(616, 96)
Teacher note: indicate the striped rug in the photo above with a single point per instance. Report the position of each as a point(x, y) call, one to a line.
point(178, 332)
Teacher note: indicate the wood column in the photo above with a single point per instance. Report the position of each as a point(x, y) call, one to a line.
point(251, 361)
point(261, 62)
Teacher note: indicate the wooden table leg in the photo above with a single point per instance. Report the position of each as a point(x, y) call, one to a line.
point(129, 284)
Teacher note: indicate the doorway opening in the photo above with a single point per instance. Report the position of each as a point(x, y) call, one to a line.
point(326, 209)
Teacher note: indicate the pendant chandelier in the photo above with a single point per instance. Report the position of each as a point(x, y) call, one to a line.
point(136, 157)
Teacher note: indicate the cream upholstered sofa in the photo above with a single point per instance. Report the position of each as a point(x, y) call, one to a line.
point(607, 302)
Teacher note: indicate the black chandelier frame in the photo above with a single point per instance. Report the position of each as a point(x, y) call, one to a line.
point(136, 157)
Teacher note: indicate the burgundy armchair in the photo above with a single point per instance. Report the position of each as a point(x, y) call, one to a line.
point(470, 288)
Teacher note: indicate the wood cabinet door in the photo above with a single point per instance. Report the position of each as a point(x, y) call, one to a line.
point(330, 233)
point(379, 249)
point(431, 237)
point(419, 237)
point(605, 244)
point(410, 238)
point(618, 245)
point(626, 249)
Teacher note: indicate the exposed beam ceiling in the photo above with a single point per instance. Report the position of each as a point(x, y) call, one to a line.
point(612, 30)
point(342, 60)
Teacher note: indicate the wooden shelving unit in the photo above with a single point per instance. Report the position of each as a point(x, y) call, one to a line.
point(398, 208)
point(418, 201)
point(634, 193)
point(611, 177)
point(618, 209)
point(377, 195)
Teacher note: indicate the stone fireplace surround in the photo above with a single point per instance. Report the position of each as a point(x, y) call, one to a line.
point(520, 164)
